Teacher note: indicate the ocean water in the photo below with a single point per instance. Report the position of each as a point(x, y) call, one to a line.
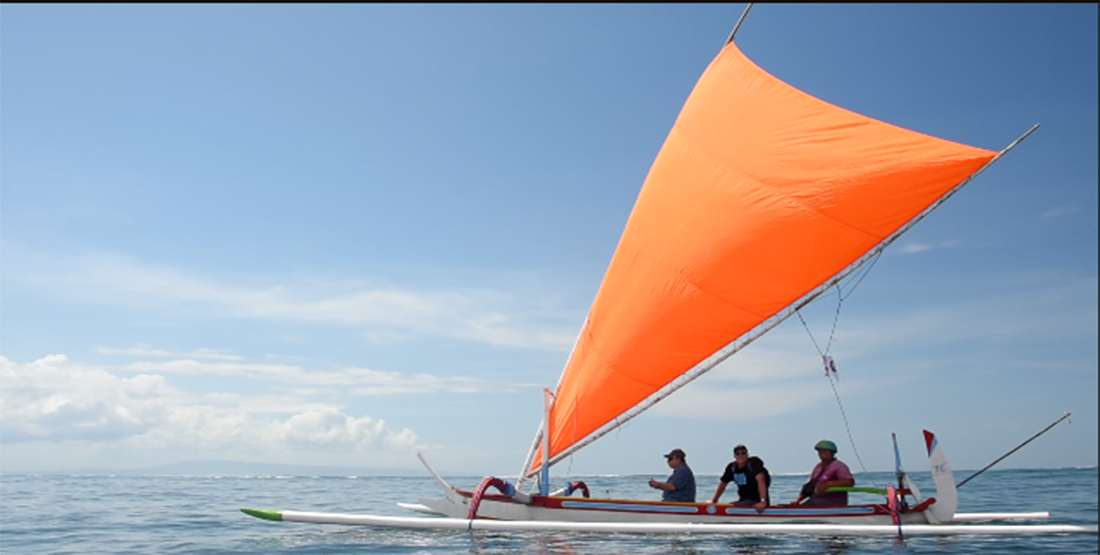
point(64, 514)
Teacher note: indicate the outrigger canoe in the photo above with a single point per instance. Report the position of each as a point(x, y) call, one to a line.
point(560, 511)
point(761, 199)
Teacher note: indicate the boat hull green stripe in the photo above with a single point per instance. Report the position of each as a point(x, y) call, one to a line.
point(265, 514)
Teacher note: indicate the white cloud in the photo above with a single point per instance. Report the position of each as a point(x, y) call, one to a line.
point(1061, 211)
point(364, 380)
point(910, 248)
point(779, 375)
point(55, 400)
point(913, 247)
point(782, 373)
point(390, 313)
point(331, 427)
point(746, 403)
point(146, 351)
point(1035, 308)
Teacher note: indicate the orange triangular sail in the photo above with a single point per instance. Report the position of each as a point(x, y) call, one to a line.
point(760, 194)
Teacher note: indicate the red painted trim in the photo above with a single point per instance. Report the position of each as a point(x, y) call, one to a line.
point(556, 503)
point(923, 505)
point(700, 508)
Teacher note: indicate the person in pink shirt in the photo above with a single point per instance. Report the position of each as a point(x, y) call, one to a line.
point(828, 473)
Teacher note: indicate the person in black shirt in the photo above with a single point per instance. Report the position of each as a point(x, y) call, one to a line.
point(751, 477)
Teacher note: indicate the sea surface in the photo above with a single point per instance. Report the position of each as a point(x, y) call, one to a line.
point(82, 514)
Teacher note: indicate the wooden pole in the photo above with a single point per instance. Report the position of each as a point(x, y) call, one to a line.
point(739, 20)
point(1017, 448)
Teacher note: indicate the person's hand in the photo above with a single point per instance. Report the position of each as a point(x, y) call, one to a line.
point(653, 483)
point(760, 506)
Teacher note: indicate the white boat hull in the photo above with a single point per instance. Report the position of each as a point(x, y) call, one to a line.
point(567, 509)
point(959, 517)
point(427, 523)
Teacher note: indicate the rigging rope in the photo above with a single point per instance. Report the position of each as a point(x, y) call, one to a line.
point(830, 369)
point(847, 429)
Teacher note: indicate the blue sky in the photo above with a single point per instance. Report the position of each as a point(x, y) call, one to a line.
point(340, 234)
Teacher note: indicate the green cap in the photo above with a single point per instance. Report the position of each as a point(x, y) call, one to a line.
point(826, 444)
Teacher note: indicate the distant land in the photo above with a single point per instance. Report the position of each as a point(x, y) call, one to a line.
point(235, 468)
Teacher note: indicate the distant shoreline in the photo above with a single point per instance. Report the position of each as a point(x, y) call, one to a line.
point(271, 470)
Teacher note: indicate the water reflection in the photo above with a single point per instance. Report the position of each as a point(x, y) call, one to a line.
point(752, 545)
point(541, 543)
point(684, 546)
point(835, 544)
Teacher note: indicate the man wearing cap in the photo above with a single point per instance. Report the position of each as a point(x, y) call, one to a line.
point(830, 472)
point(681, 484)
point(751, 477)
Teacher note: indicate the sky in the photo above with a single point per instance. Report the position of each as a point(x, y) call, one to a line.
point(339, 235)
